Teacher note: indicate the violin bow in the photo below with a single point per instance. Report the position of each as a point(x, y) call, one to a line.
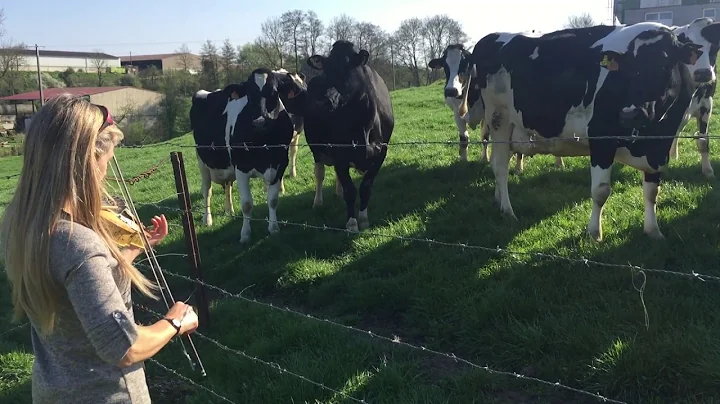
point(154, 264)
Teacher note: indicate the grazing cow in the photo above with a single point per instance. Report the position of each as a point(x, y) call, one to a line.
point(349, 104)
point(455, 61)
point(232, 126)
point(623, 81)
point(705, 32)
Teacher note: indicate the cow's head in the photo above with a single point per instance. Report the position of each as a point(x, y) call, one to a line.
point(704, 32)
point(292, 90)
point(455, 60)
point(338, 84)
point(263, 96)
point(646, 68)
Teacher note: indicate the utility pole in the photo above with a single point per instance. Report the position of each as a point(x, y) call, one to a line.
point(37, 57)
point(392, 62)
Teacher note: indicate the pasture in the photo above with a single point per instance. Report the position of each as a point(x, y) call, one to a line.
point(581, 325)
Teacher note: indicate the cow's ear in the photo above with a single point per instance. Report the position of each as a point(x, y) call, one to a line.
point(362, 57)
point(302, 76)
point(712, 33)
point(316, 62)
point(610, 60)
point(690, 53)
point(436, 63)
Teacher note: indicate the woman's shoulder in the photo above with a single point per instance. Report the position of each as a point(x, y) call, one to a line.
point(72, 243)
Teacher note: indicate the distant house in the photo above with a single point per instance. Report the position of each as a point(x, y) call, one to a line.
point(57, 61)
point(165, 61)
point(668, 12)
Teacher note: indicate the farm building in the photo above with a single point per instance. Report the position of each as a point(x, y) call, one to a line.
point(668, 12)
point(58, 61)
point(120, 101)
point(167, 61)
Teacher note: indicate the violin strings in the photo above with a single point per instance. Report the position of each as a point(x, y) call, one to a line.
point(152, 260)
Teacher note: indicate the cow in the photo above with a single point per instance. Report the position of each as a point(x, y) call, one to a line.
point(458, 72)
point(705, 32)
point(569, 90)
point(244, 131)
point(348, 104)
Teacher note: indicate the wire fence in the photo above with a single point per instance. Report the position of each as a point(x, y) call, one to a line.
point(395, 340)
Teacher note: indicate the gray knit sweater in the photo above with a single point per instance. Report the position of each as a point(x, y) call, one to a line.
point(77, 363)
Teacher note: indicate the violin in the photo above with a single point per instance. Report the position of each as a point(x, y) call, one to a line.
point(122, 226)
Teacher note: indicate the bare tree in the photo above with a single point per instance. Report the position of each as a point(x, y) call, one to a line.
point(439, 31)
point(273, 42)
point(11, 57)
point(409, 48)
point(210, 65)
point(313, 32)
point(341, 28)
point(370, 37)
point(184, 56)
point(294, 26)
point(100, 66)
point(227, 59)
point(580, 21)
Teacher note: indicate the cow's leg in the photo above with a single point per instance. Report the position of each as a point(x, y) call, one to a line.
point(485, 138)
point(338, 186)
point(674, 153)
point(703, 142)
point(500, 158)
point(365, 190)
point(246, 203)
point(206, 187)
point(319, 178)
point(519, 166)
point(349, 193)
point(272, 199)
point(293, 154)
point(559, 163)
point(464, 137)
point(651, 187)
point(601, 162)
point(229, 209)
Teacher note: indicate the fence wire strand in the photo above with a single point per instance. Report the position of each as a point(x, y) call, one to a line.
point(190, 381)
point(12, 330)
point(497, 250)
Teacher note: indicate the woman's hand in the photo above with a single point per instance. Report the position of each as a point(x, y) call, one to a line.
point(155, 235)
point(187, 316)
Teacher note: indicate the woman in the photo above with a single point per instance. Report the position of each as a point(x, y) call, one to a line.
point(68, 276)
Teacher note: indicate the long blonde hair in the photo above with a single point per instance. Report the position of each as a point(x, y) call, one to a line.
point(60, 169)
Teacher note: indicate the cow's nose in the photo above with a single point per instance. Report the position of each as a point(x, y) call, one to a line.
point(703, 75)
point(452, 92)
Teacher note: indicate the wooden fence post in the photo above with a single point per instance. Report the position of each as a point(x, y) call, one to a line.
point(190, 236)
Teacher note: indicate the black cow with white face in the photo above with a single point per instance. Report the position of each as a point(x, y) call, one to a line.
point(232, 126)
point(348, 104)
point(705, 32)
point(567, 89)
point(455, 62)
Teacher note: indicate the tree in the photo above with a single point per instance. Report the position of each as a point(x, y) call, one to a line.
point(313, 32)
point(100, 66)
point(372, 38)
point(439, 31)
point(210, 65)
point(341, 28)
point(184, 56)
point(228, 59)
point(409, 48)
point(10, 53)
point(293, 23)
point(580, 21)
point(273, 42)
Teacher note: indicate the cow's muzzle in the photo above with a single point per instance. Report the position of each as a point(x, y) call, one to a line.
point(452, 92)
point(633, 117)
point(703, 75)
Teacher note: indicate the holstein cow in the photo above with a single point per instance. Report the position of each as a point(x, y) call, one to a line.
point(232, 126)
point(455, 61)
point(349, 104)
point(705, 32)
point(566, 89)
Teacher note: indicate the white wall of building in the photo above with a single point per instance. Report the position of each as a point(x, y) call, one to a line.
point(58, 64)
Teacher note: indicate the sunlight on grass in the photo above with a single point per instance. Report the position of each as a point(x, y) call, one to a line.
point(354, 384)
point(611, 357)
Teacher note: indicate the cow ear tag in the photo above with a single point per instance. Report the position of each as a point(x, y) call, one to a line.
point(609, 64)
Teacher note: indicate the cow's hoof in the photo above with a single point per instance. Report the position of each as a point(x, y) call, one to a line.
point(709, 173)
point(352, 225)
point(208, 221)
point(595, 234)
point(364, 224)
point(244, 240)
point(508, 213)
point(317, 203)
point(273, 227)
point(655, 234)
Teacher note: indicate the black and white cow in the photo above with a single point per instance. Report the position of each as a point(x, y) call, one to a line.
point(455, 61)
point(232, 126)
point(349, 104)
point(705, 32)
point(630, 81)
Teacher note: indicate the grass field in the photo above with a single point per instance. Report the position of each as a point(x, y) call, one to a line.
point(581, 325)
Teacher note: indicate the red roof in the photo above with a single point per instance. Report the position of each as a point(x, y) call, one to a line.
point(52, 92)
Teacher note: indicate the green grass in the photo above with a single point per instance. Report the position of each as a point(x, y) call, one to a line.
point(583, 326)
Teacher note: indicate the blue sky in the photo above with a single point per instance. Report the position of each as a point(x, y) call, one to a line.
point(161, 26)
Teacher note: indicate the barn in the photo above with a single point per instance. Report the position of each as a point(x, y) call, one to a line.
point(119, 100)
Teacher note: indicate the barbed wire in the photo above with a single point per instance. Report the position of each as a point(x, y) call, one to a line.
point(395, 339)
point(190, 381)
point(497, 250)
point(245, 355)
point(10, 331)
point(416, 142)
point(142, 176)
